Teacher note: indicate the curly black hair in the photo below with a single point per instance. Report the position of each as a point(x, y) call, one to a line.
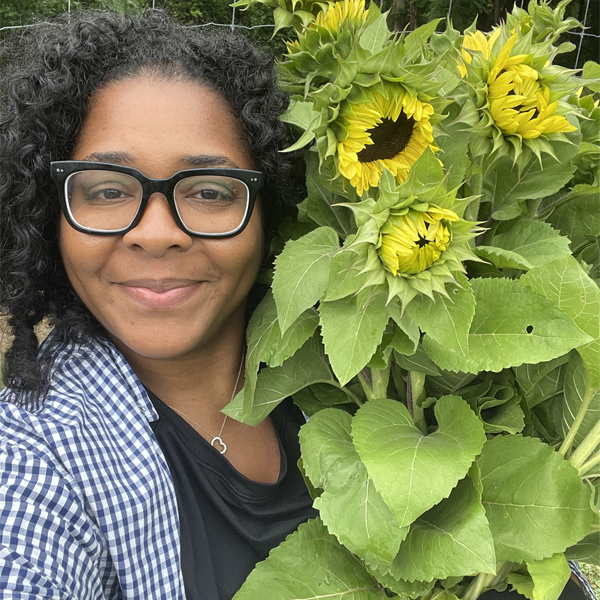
point(51, 71)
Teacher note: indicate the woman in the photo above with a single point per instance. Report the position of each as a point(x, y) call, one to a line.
point(141, 176)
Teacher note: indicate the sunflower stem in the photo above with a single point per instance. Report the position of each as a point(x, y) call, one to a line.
point(415, 393)
point(352, 396)
point(399, 383)
point(550, 207)
point(476, 183)
point(365, 386)
point(532, 207)
point(568, 442)
point(592, 462)
point(586, 448)
point(477, 586)
point(380, 379)
point(502, 570)
point(437, 593)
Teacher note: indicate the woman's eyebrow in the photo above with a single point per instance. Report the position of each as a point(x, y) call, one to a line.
point(188, 161)
point(110, 157)
point(206, 160)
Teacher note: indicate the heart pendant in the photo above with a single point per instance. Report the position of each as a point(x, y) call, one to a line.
point(219, 444)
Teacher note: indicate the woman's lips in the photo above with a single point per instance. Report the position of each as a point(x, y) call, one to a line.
point(160, 295)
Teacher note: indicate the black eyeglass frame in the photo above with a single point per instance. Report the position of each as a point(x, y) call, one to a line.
point(62, 169)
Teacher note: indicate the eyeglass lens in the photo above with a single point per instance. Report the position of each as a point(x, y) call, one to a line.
point(109, 201)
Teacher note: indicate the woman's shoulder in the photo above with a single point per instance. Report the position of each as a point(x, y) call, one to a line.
point(90, 386)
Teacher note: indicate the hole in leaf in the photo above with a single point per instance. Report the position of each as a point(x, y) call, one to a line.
point(529, 328)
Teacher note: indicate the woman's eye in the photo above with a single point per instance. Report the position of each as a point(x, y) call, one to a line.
point(213, 194)
point(105, 194)
point(111, 194)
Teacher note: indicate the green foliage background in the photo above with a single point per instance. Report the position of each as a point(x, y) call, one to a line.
point(403, 13)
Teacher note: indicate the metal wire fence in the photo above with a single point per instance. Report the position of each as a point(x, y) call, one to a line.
point(233, 25)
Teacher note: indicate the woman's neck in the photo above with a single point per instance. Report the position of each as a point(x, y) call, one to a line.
point(201, 382)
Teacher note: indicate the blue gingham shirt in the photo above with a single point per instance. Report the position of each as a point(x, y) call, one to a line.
point(87, 504)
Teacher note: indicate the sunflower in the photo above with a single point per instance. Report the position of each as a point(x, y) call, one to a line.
point(476, 41)
point(335, 18)
point(352, 11)
point(391, 130)
point(519, 102)
point(517, 99)
point(414, 241)
point(412, 238)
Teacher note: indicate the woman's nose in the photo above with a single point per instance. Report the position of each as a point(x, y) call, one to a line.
point(157, 231)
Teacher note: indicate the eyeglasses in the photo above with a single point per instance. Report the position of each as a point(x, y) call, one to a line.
point(106, 199)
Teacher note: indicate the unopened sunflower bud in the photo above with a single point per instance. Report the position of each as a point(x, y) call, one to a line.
point(414, 241)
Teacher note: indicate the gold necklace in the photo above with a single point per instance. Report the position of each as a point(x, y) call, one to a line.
point(217, 439)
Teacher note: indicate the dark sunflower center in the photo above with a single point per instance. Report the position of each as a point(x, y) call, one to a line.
point(389, 139)
point(422, 242)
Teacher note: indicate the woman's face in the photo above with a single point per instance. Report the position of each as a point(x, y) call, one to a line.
point(159, 292)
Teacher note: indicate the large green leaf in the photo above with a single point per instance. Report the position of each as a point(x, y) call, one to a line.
point(542, 580)
point(501, 415)
point(403, 588)
point(451, 539)
point(322, 395)
point(273, 385)
point(418, 361)
point(535, 241)
point(446, 319)
point(549, 577)
point(578, 219)
point(266, 344)
point(302, 273)
point(568, 287)
point(591, 71)
point(265, 339)
point(310, 565)
point(412, 471)
point(507, 187)
point(350, 506)
point(546, 420)
point(400, 586)
point(345, 277)
point(535, 502)
point(522, 328)
point(586, 551)
point(318, 206)
point(521, 583)
point(352, 329)
point(574, 392)
point(453, 142)
point(541, 381)
point(501, 258)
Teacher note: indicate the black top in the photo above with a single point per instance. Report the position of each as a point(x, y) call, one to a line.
point(228, 522)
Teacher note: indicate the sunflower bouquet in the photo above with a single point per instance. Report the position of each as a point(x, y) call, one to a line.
point(434, 309)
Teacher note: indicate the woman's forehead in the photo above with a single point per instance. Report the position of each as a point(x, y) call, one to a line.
point(161, 125)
